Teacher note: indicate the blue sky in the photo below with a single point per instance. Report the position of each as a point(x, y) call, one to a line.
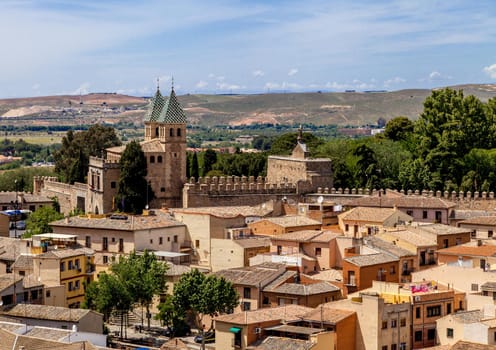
point(217, 46)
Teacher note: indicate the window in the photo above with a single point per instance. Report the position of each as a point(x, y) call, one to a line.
point(394, 347)
point(246, 306)
point(104, 243)
point(105, 259)
point(121, 245)
point(113, 184)
point(449, 332)
point(76, 285)
point(152, 159)
point(392, 270)
point(346, 227)
point(402, 346)
point(162, 189)
point(384, 325)
point(473, 234)
point(168, 239)
point(77, 264)
point(424, 214)
point(403, 322)
point(159, 159)
point(431, 334)
point(279, 250)
point(247, 292)
point(318, 251)
point(475, 287)
point(70, 287)
point(393, 324)
point(197, 243)
point(171, 132)
point(489, 234)
point(48, 294)
point(151, 240)
point(409, 212)
point(445, 243)
point(448, 308)
point(178, 132)
point(494, 336)
point(160, 240)
point(351, 278)
point(433, 311)
point(458, 241)
point(418, 335)
point(439, 216)
point(384, 347)
point(417, 312)
point(113, 239)
point(87, 242)
point(175, 238)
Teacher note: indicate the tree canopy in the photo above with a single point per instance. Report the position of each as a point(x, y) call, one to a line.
point(72, 159)
point(132, 180)
point(202, 295)
point(37, 222)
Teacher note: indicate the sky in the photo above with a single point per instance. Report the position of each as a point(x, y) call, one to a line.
point(50, 47)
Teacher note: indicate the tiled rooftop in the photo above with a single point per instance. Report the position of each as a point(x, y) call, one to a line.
point(24, 262)
point(227, 211)
point(252, 275)
point(440, 229)
point(465, 250)
point(307, 236)
point(489, 286)
point(481, 220)
point(327, 314)
point(46, 312)
point(67, 253)
point(286, 313)
point(368, 214)
point(305, 289)
point(385, 246)
point(412, 236)
point(7, 280)
point(468, 316)
point(278, 343)
point(48, 333)
point(292, 221)
point(253, 242)
point(132, 223)
point(403, 202)
point(371, 259)
point(461, 214)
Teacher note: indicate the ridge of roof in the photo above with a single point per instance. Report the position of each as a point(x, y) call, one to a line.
point(155, 107)
point(172, 113)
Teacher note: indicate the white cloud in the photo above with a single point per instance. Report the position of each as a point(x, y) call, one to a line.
point(394, 81)
point(226, 86)
point(435, 75)
point(201, 84)
point(292, 71)
point(491, 71)
point(272, 86)
point(258, 73)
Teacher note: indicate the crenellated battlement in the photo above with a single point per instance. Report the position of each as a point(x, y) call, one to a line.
point(240, 184)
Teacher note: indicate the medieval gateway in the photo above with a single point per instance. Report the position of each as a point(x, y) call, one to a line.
point(164, 146)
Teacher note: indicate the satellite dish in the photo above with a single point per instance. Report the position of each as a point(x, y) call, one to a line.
point(320, 200)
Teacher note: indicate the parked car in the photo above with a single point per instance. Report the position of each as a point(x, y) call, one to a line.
point(21, 225)
point(179, 330)
point(208, 336)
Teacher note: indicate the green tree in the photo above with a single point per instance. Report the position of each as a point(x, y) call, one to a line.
point(284, 144)
point(201, 295)
point(72, 159)
point(143, 276)
point(132, 180)
point(399, 129)
point(37, 222)
point(194, 166)
point(209, 159)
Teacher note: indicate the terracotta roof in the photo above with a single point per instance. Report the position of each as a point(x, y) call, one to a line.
point(278, 343)
point(403, 202)
point(176, 270)
point(416, 238)
point(442, 230)
point(36, 198)
point(483, 250)
point(227, 211)
point(292, 221)
point(465, 214)
point(481, 220)
point(67, 253)
point(253, 242)
point(253, 275)
point(7, 280)
point(286, 276)
point(48, 333)
point(369, 214)
point(307, 236)
point(10, 248)
point(329, 275)
point(305, 289)
point(371, 259)
point(285, 313)
point(489, 286)
point(327, 314)
point(152, 146)
point(385, 246)
point(46, 312)
point(132, 223)
point(174, 344)
point(465, 345)
point(23, 262)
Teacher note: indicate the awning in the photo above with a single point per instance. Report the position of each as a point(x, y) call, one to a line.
point(235, 329)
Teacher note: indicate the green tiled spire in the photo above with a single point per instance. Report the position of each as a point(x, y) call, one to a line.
point(172, 113)
point(155, 107)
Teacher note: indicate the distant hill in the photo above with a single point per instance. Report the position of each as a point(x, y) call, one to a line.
point(341, 108)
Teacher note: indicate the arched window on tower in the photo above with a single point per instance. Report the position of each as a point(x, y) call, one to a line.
point(156, 132)
point(178, 132)
point(152, 159)
point(171, 132)
point(159, 159)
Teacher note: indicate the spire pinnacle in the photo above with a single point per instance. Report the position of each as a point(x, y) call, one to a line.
point(158, 83)
point(300, 134)
point(172, 83)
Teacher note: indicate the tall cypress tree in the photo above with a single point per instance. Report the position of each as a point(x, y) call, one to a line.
point(132, 180)
point(194, 166)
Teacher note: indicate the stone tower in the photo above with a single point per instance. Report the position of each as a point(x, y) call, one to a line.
point(165, 149)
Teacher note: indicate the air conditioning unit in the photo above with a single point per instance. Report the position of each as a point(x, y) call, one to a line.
point(258, 330)
point(417, 298)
